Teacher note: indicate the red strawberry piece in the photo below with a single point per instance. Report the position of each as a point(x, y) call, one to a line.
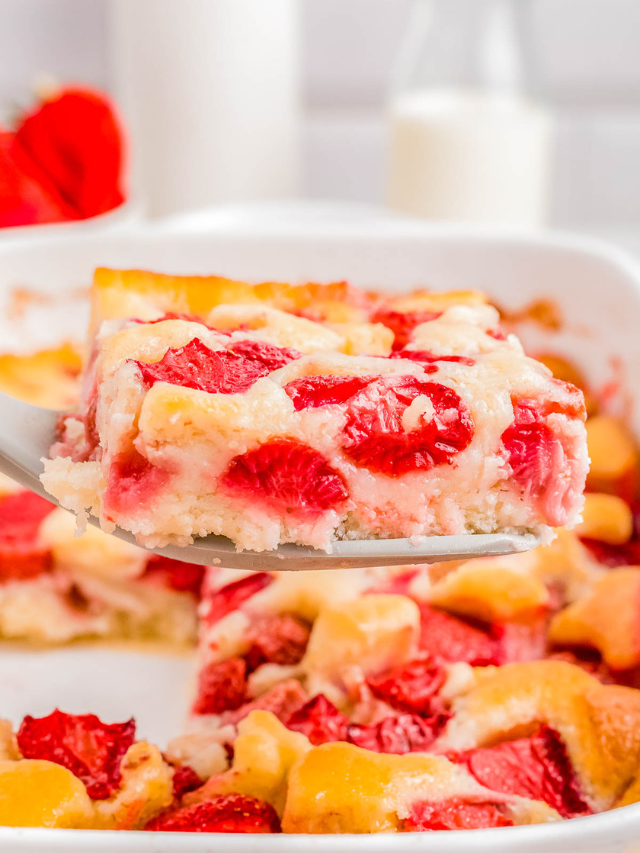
point(269, 356)
point(448, 638)
point(614, 556)
point(232, 596)
point(397, 735)
point(454, 814)
point(183, 577)
point(533, 451)
point(289, 474)
point(374, 436)
point(185, 780)
point(21, 555)
point(75, 141)
point(320, 721)
point(222, 686)
point(309, 392)
point(133, 483)
point(403, 323)
point(197, 366)
point(26, 196)
point(521, 641)
point(224, 813)
point(282, 700)
point(280, 639)
point(412, 688)
point(89, 748)
point(429, 359)
point(176, 315)
point(536, 767)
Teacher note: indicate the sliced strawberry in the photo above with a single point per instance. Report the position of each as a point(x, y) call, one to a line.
point(289, 474)
point(403, 323)
point(224, 813)
point(448, 638)
point(269, 356)
point(521, 641)
point(536, 767)
point(197, 366)
point(374, 436)
point(75, 141)
point(429, 359)
point(397, 735)
point(282, 700)
point(280, 639)
point(222, 686)
point(185, 780)
point(309, 392)
point(454, 814)
point(232, 596)
point(533, 451)
point(89, 748)
point(21, 556)
point(133, 483)
point(320, 721)
point(412, 687)
point(183, 577)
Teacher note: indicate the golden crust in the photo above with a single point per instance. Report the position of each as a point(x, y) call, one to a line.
point(599, 724)
point(607, 619)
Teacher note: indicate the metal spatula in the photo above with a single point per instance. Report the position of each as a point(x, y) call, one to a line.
point(26, 434)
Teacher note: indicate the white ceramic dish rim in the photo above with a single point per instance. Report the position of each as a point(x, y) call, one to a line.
point(594, 832)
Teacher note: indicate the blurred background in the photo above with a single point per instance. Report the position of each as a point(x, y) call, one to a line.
point(311, 81)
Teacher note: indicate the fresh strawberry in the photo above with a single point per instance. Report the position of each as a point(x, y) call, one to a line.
point(412, 687)
point(403, 323)
point(133, 482)
point(454, 814)
point(90, 749)
point(280, 639)
point(185, 780)
point(224, 813)
point(183, 577)
point(232, 596)
point(26, 196)
point(320, 721)
point(21, 556)
point(532, 449)
point(75, 141)
point(397, 735)
point(449, 639)
point(269, 356)
point(375, 438)
point(197, 366)
point(222, 686)
point(282, 700)
point(537, 767)
point(309, 392)
point(289, 474)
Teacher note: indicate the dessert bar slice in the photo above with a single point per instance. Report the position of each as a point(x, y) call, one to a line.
point(224, 408)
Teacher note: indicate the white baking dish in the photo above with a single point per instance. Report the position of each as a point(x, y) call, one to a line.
point(596, 288)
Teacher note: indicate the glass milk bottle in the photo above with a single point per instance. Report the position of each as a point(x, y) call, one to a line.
point(466, 142)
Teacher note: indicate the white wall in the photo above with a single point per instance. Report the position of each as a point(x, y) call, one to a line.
point(588, 55)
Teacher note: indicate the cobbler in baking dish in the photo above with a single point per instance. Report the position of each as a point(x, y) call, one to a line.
point(485, 693)
point(276, 413)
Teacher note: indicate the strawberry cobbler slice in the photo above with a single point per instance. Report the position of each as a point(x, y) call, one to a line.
point(213, 406)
